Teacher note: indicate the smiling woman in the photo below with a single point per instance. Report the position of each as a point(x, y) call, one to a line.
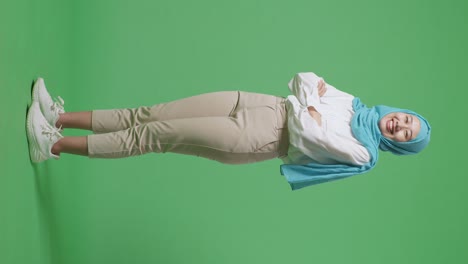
point(320, 133)
point(400, 126)
point(403, 131)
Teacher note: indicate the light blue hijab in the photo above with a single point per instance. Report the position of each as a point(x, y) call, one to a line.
point(366, 129)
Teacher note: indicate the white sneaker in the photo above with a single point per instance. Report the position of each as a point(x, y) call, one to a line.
point(41, 135)
point(49, 108)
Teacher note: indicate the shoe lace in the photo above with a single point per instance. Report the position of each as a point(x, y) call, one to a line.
point(51, 132)
point(57, 106)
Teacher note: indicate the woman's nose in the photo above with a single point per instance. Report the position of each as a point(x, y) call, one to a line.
point(400, 126)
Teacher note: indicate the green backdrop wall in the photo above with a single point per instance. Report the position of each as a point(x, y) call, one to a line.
point(169, 208)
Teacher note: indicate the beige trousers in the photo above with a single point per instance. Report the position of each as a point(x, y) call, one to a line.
point(231, 127)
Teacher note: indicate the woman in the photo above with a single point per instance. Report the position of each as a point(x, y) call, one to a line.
point(319, 132)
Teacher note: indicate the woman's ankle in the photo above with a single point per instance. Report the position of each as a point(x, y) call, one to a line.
point(56, 149)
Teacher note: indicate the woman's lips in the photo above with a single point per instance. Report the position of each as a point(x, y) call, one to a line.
point(390, 126)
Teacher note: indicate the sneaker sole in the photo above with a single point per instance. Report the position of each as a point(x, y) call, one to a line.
point(34, 153)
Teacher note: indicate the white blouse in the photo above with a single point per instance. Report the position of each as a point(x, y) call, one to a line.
point(333, 141)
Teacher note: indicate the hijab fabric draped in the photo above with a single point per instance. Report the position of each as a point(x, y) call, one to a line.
point(364, 125)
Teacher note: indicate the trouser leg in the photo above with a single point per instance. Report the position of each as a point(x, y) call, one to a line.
point(209, 104)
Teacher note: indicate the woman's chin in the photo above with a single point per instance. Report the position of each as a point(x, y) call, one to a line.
point(382, 129)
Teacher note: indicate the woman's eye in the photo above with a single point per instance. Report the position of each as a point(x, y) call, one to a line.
point(406, 134)
point(407, 119)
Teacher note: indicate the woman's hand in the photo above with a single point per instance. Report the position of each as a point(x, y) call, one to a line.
point(322, 89)
point(315, 114)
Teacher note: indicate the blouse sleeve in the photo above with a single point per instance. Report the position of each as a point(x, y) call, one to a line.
point(304, 86)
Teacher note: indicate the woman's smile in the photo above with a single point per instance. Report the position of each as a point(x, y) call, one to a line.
point(399, 126)
point(390, 124)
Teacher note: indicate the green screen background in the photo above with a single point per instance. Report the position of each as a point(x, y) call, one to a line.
point(169, 208)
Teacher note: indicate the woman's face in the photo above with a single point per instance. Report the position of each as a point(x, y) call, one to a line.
point(399, 126)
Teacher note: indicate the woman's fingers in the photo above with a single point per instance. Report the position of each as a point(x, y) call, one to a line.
point(315, 115)
point(322, 89)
